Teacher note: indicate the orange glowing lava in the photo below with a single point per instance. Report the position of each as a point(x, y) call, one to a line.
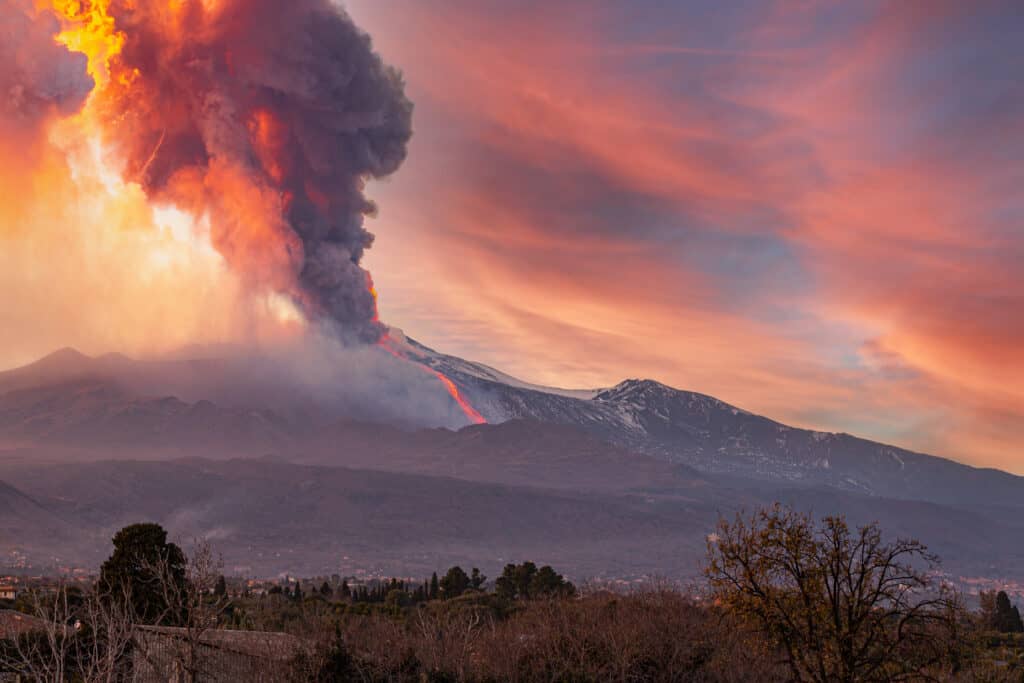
point(388, 345)
point(472, 414)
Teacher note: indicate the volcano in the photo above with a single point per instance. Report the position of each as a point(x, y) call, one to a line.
point(285, 474)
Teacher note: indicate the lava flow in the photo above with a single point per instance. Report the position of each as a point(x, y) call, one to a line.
point(388, 344)
point(472, 414)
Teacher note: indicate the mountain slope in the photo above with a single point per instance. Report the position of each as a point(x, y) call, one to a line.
point(217, 408)
point(27, 526)
point(277, 516)
point(717, 438)
point(268, 516)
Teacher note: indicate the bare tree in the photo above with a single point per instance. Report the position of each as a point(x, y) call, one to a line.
point(42, 650)
point(448, 636)
point(72, 637)
point(180, 653)
point(105, 631)
point(841, 605)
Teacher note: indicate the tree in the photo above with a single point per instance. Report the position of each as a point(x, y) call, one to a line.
point(454, 583)
point(76, 637)
point(221, 588)
point(841, 605)
point(346, 592)
point(1006, 617)
point(199, 609)
point(547, 583)
point(128, 571)
point(514, 582)
point(476, 579)
point(435, 588)
point(326, 590)
point(524, 581)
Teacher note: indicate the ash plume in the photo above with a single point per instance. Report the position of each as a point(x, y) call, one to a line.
point(267, 117)
point(39, 78)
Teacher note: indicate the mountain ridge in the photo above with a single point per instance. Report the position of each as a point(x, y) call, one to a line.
point(642, 416)
point(627, 480)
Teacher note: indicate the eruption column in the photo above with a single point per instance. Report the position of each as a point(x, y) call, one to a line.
point(265, 117)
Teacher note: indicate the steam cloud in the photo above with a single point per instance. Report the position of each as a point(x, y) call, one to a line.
point(268, 117)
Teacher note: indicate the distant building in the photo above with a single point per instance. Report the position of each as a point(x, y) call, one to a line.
point(8, 592)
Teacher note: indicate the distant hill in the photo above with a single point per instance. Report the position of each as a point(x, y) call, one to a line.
point(273, 516)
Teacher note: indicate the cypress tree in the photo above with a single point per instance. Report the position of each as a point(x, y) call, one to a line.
point(1007, 617)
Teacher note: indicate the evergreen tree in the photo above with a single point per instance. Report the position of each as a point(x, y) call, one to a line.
point(525, 581)
point(221, 589)
point(548, 583)
point(346, 592)
point(435, 587)
point(514, 582)
point(476, 579)
point(1006, 618)
point(454, 583)
point(325, 590)
point(137, 548)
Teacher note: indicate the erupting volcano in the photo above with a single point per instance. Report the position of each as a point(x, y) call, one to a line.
point(390, 345)
point(263, 118)
point(471, 413)
point(261, 122)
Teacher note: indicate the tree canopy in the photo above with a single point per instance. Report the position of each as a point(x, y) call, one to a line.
point(454, 583)
point(998, 613)
point(841, 605)
point(130, 570)
point(525, 581)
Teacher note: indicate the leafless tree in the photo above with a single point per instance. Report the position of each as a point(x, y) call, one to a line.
point(841, 605)
point(101, 652)
point(180, 653)
point(448, 636)
point(42, 649)
point(72, 637)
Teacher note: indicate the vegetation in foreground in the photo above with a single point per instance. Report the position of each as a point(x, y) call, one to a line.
point(787, 599)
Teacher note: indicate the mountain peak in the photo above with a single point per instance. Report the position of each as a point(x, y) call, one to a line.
point(632, 388)
point(63, 360)
point(64, 355)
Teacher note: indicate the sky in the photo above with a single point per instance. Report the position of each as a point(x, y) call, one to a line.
point(808, 209)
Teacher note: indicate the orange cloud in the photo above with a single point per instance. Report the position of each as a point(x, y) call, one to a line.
point(740, 226)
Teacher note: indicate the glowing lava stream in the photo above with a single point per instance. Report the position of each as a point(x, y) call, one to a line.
point(387, 343)
point(472, 414)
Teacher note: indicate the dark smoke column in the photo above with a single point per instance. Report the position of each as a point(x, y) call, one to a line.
point(268, 116)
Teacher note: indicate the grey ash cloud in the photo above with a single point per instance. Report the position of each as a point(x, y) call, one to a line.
point(290, 96)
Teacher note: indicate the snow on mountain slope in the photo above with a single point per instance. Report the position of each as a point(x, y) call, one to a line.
point(718, 438)
point(444, 362)
point(68, 398)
